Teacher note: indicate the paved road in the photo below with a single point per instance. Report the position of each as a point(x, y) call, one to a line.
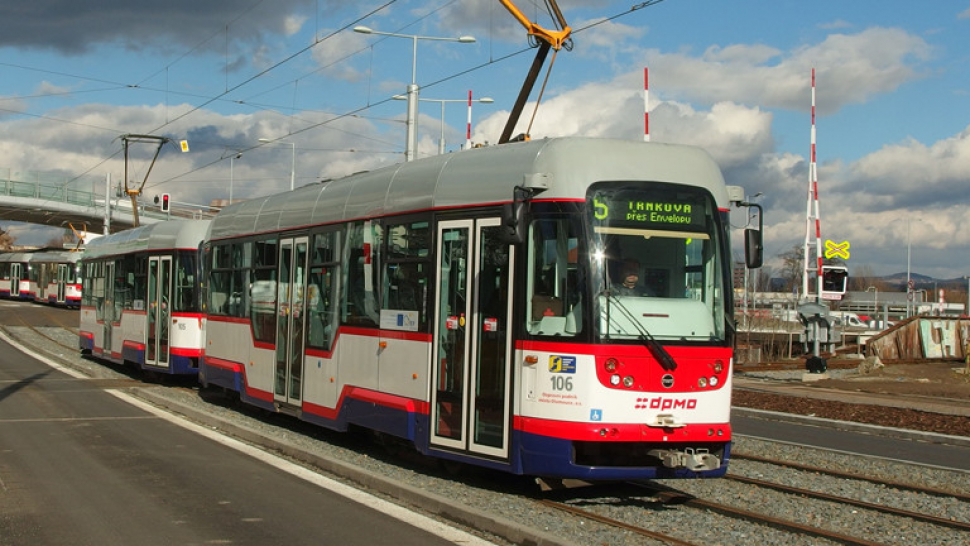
point(927, 450)
point(80, 466)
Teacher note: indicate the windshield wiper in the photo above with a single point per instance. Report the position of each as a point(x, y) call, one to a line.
point(666, 361)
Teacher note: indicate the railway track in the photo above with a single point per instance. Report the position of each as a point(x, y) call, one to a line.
point(644, 508)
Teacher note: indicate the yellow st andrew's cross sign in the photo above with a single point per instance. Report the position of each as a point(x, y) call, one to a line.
point(837, 250)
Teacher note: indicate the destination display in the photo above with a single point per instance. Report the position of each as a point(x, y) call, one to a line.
point(645, 211)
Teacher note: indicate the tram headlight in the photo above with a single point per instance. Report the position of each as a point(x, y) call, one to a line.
point(713, 381)
point(702, 382)
point(614, 380)
point(718, 366)
point(628, 381)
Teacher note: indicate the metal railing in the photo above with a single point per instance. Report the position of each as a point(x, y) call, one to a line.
point(52, 187)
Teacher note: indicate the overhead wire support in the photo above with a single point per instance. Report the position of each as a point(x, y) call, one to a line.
point(547, 39)
point(134, 193)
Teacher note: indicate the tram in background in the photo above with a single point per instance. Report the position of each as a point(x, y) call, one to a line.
point(54, 277)
point(44, 276)
point(471, 304)
point(140, 297)
point(14, 276)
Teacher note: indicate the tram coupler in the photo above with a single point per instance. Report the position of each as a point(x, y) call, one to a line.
point(695, 460)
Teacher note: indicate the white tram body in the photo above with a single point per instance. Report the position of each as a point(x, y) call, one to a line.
point(15, 276)
point(397, 300)
point(141, 294)
point(55, 278)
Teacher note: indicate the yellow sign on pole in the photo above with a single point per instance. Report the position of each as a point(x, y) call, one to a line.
point(837, 250)
point(184, 144)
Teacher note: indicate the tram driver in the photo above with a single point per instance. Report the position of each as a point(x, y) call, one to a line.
point(629, 280)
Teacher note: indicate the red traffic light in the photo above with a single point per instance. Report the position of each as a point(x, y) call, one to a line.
point(165, 205)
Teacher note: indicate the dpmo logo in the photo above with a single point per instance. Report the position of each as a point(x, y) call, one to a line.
point(662, 403)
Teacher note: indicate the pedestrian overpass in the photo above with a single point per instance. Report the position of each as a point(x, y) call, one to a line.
point(46, 199)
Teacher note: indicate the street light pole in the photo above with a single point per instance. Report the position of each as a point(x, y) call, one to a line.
point(411, 142)
point(441, 139)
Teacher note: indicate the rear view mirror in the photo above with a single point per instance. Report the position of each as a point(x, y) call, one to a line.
point(753, 248)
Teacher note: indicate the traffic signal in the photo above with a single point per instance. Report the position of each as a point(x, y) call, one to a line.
point(166, 203)
point(834, 280)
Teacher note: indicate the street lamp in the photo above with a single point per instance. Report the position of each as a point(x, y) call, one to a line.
point(909, 253)
point(411, 143)
point(292, 162)
point(468, 130)
point(967, 310)
point(231, 159)
point(875, 305)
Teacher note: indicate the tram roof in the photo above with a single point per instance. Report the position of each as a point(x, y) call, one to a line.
point(14, 257)
point(167, 235)
point(474, 177)
point(55, 256)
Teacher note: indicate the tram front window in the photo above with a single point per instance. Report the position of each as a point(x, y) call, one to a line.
point(657, 260)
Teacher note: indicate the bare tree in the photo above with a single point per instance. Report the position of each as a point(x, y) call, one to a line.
point(791, 268)
point(6, 241)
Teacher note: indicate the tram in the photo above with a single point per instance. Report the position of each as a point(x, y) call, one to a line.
point(14, 276)
point(54, 277)
point(140, 297)
point(473, 304)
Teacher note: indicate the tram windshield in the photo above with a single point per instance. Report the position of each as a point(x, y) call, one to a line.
point(657, 263)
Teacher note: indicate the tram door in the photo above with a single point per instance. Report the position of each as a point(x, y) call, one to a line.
point(16, 273)
point(159, 311)
point(108, 305)
point(471, 403)
point(290, 320)
point(63, 273)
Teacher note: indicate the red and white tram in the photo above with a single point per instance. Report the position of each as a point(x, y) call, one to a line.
point(54, 277)
point(141, 297)
point(472, 303)
point(14, 276)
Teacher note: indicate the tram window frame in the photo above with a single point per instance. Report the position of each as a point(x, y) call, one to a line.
point(263, 316)
point(407, 268)
point(357, 307)
point(185, 297)
point(323, 288)
point(554, 306)
point(220, 275)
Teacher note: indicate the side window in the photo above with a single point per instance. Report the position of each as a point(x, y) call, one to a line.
point(219, 280)
point(241, 262)
point(406, 272)
point(361, 256)
point(185, 282)
point(323, 289)
point(554, 306)
point(263, 292)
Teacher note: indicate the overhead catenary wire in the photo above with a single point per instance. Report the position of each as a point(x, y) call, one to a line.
point(223, 96)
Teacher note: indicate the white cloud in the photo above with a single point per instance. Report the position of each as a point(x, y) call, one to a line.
point(852, 67)
point(332, 52)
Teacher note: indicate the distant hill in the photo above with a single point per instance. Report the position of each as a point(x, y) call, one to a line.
point(921, 281)
point(897, 282)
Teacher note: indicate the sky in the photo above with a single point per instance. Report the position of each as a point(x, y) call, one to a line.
point(892, 100)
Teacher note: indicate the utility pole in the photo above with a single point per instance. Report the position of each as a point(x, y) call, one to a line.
point(131, 192)
point(107, 203)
